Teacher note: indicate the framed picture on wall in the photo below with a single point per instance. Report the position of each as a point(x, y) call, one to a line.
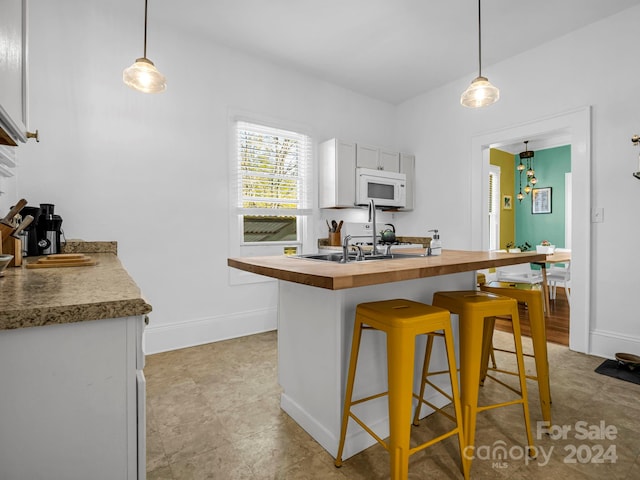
point(541, 200)
point(506, 202)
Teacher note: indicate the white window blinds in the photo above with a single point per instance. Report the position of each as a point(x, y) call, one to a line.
point(273, 171)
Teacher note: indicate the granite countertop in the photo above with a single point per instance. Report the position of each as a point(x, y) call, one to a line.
point(46, 296)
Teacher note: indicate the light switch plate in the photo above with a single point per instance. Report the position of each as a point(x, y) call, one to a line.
point(597, 215)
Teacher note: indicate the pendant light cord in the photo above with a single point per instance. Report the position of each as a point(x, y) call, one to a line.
point(479, 42)
point(145, 28)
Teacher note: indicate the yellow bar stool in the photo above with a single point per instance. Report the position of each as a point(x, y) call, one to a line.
point(401, 320)
point(475, 310)
point(533, 296)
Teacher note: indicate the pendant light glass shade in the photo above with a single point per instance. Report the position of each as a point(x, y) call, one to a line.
point(480, 94)
point(143, 74)
point(144, 77)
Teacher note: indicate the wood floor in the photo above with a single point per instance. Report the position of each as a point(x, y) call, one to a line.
point(557, 320)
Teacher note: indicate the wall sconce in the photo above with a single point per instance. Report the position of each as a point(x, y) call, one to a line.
point(143, 74)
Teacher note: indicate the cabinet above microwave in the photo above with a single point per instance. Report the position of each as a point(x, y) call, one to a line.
point(338, 160)
point(377, 158)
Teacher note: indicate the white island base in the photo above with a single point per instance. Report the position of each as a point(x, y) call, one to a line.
point(315, 328)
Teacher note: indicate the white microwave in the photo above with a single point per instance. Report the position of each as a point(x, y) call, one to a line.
point(386, 189)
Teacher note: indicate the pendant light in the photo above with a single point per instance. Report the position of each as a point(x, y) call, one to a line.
point(531, 178)
point(143, 74)
point(480, 93)
point(520, 195)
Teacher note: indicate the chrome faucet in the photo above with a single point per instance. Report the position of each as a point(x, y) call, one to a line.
point(372, 219)
point(345, 249)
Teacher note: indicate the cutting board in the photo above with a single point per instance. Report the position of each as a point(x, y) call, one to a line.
point(63, 260)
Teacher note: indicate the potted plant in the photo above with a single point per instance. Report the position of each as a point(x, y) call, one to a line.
point(513, 248)
point(545, 247)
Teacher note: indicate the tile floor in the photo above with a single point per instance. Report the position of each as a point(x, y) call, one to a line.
point(213, 413)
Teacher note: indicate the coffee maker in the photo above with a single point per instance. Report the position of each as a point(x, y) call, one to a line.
point(48, 230)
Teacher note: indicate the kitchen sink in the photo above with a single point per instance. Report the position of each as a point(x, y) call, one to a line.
point(337, 257)
point(327, 257)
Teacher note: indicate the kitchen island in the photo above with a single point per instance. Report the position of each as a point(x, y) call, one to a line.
point(71, 359)
point(316, 308)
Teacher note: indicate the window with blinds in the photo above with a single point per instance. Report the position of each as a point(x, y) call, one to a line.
point(273, 182)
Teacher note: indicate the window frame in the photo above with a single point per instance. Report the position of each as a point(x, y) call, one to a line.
point(237, 246)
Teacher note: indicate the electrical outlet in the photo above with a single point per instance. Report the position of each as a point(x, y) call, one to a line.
point(597, 215)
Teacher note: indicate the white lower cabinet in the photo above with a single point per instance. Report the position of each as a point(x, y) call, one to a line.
point(72, 401)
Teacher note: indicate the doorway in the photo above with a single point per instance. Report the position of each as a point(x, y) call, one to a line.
point(573, 128)
point(524, 228)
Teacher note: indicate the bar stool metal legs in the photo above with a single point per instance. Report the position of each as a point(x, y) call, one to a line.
point(475, 310)
point(533, 297)
point(402, 321)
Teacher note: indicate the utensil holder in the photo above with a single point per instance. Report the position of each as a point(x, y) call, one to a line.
point(334, 239)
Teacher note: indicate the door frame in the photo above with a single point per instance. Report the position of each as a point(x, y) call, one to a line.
point(575, 127)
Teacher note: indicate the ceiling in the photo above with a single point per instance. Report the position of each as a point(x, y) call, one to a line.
point(391, 50)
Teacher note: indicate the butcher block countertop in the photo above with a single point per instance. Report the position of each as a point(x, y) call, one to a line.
point(46, 296)
point(337, 276)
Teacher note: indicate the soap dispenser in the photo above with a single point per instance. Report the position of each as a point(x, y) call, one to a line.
point(435, 248)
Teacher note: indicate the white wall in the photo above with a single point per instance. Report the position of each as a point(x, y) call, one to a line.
point(150, 171)
point(588, 67)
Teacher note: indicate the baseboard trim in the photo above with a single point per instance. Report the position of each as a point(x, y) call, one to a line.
point(606, 344)
point(190, 333)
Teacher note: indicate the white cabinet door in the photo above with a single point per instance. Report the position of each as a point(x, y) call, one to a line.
point(13, 71)
point(70, 401)
point(408, 167)
point(337, 174)
point(389, 161)
point(377, 158)
point(367, 157)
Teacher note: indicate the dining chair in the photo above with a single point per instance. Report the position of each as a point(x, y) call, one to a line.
point(559, 274)
point(520, 273)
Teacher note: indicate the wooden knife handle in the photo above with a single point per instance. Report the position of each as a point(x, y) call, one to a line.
point(14, 211)
point(26, 221)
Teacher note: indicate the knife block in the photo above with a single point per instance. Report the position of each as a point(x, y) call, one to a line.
point(13, 246)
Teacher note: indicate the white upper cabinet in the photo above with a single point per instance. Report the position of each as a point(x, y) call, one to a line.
point(337, 165)
point(377, 158)
point(408, 167)
point(13, 71)
point(337, 174)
